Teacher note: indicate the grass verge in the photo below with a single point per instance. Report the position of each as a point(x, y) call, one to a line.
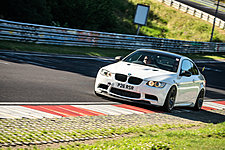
point(91, 51)
point(58, 49)
point(154, 137)
point(207, 137)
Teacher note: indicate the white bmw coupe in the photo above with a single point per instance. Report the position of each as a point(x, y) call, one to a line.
point(161, 78)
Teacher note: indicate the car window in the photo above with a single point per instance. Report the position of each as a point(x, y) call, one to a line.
point(194, 70)
point(189, 66)
point(167, 63)
point(157, 60)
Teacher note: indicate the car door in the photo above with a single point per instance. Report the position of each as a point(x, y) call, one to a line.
point(186, 83)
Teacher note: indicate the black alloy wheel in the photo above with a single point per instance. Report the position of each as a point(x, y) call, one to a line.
point(170, 99)
point(199, 101)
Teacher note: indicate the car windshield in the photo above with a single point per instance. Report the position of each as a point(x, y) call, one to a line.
point(154, 59)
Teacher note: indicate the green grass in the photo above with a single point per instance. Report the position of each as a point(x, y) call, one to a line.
point(91, 51)
point(56, 49)
point(166, 136)
point(208, 56)
point(117, 16)
point(167, 22)
point(210, 137)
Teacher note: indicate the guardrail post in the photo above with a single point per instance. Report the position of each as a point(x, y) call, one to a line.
point(187, 9)
point(179, 6)
point(222, 24)
point(201, 15)
point(171, 3)
point(194, 12)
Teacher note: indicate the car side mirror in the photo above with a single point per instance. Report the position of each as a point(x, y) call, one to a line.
point(185, 73)
point(118, 58)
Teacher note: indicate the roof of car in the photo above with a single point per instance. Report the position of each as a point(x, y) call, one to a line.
point(161, 52)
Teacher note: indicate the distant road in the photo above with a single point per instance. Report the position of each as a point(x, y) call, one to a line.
point(206, 6)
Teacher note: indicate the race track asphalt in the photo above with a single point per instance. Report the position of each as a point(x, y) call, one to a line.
point(34, 77)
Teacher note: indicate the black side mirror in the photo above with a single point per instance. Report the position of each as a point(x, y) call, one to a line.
point(185, 73)
point(118, 58)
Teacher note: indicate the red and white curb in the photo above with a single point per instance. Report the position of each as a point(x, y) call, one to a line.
point(216, 105)
point(57, 111)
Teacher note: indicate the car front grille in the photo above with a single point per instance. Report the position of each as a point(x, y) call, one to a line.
point(131, 80)
point(125, 93)
point(121, 77)
point(134, 80)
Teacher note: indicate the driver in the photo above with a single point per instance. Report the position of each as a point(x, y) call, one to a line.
point(147, 60)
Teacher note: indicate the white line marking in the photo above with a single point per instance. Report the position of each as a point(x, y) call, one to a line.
point(214, 105)
point(215, 89)
point(23, 112)
point(59, 103)
point(37, 113)
point(123, 110)
point(5, 115)
point(211, 69)
point(59, 56)
point(4, 63)
point(213, 100)
point(97, 108)
point(108, 109)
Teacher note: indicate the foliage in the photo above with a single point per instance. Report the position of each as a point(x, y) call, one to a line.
point(35, 11)
point(111, 16)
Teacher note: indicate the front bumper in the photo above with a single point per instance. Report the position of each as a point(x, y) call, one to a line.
point(108, 86)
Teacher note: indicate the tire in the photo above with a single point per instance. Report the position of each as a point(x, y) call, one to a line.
point(199, 101)
point(170, 99)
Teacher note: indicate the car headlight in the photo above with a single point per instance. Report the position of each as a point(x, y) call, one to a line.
point(106, 73)
point(156, 84)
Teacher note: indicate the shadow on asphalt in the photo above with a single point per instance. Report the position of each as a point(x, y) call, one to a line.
point(202, 116)
point(219, 95)
point(182, 112)
point(86, 66)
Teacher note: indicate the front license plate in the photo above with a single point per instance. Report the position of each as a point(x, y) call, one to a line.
point(125, 86)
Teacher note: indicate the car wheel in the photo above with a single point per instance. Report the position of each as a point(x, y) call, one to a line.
point(170, 99)
point(199, 101)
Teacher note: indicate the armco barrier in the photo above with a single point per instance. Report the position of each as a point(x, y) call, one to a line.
point(195, 12)
point(41, 34)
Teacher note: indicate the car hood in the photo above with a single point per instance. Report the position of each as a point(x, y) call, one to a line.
point(140, 71)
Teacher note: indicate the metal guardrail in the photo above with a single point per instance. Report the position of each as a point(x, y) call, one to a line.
point(195, 12)
point(41, 34)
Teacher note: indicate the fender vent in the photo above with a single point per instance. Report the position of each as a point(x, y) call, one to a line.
point(103, 86)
